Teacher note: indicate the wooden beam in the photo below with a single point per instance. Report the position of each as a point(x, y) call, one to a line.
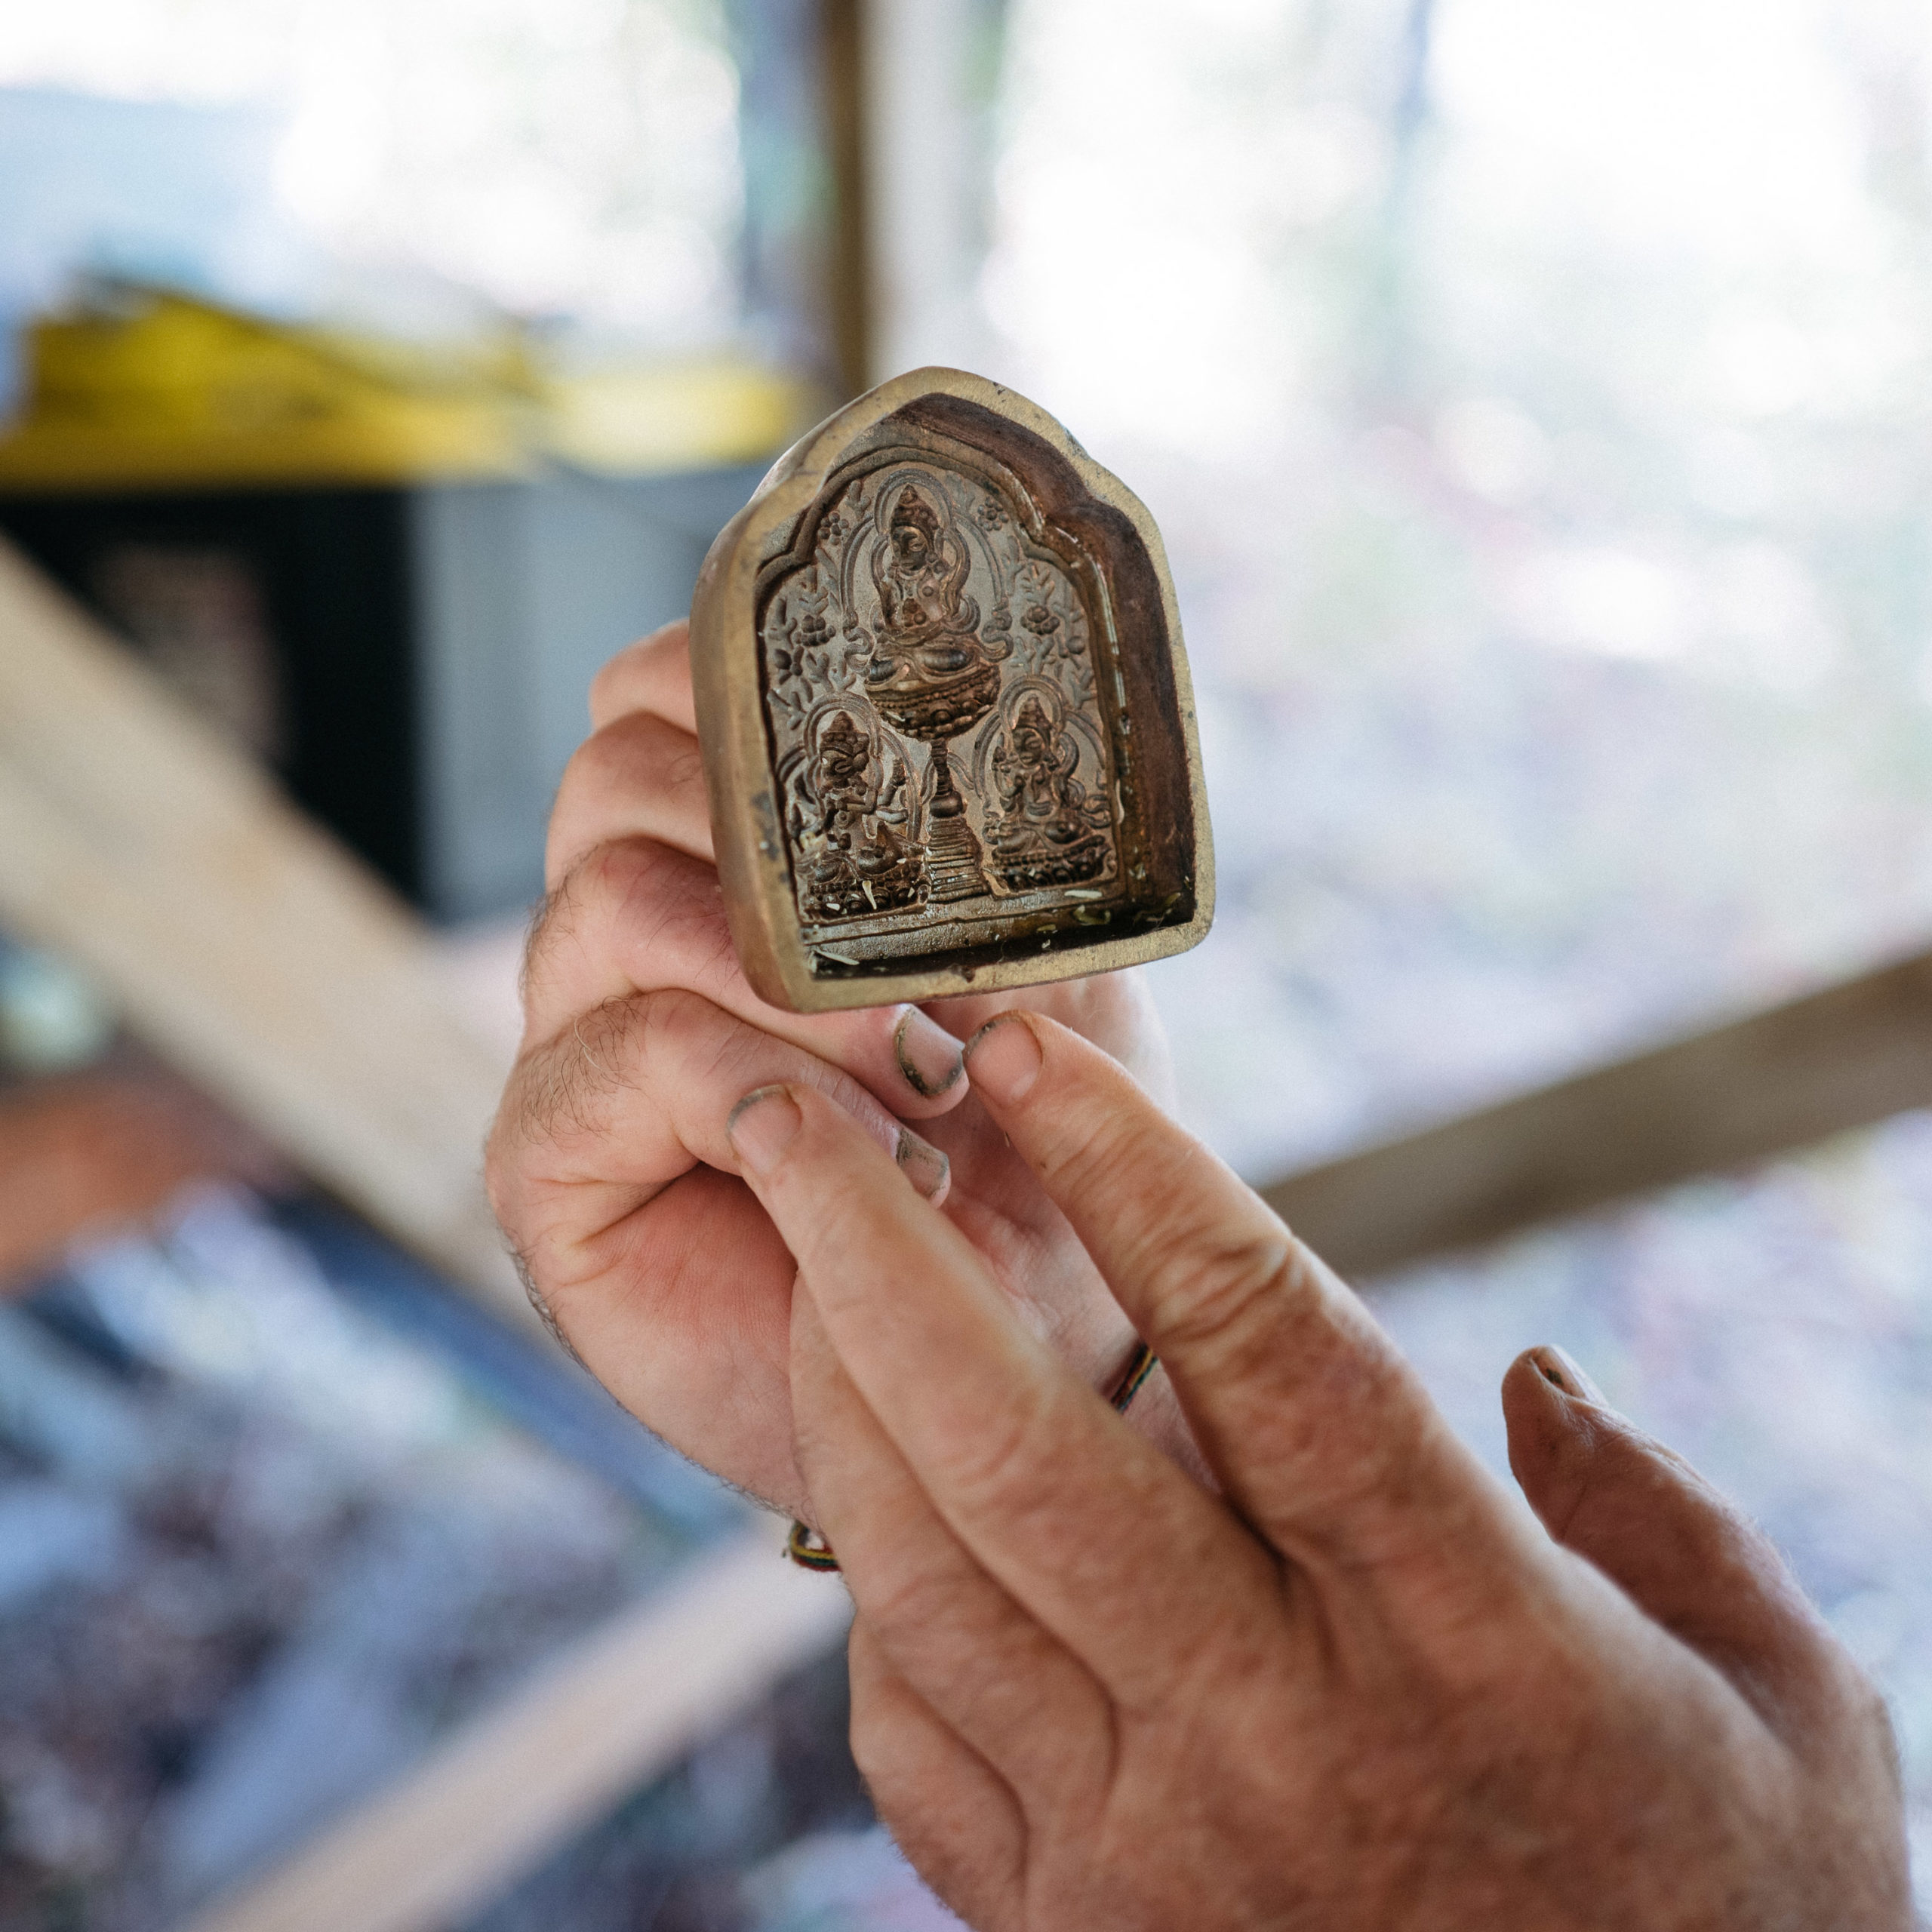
point(1846, 1057)
point(514, 1785)
point(262, 960)
point(237, 939)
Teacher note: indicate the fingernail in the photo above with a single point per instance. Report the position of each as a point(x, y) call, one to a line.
point(926, 1168)
point(1004, 1058)
point(929, 1056)
point(762, 1126)
point(1562, 1370)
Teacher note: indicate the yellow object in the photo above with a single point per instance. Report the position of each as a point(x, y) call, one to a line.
point(176, 393)
point(676, 416)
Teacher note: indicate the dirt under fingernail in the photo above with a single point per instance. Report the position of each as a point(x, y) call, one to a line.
point(924, 1166)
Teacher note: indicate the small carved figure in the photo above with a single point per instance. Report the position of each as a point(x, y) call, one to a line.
point(1047, 831)
point(920, 574)
point(852, 824)
point(931, 672)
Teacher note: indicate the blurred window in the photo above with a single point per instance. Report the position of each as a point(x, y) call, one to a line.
point(573, 158)
point(1535, 400)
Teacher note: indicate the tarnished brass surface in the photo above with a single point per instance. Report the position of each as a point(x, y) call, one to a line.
point(948, 734)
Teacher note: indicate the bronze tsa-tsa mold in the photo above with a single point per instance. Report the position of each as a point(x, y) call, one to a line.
point(948, 734)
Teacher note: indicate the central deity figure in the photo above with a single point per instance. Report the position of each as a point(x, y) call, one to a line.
point(931, 673)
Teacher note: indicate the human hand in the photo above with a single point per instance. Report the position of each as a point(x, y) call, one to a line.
point(608, 1164)
point(1365, 1690)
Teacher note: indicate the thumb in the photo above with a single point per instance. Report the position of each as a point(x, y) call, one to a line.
point(1683, 1553)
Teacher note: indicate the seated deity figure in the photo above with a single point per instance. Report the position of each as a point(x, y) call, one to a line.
point(846, 820)
point(928, 624)
point(931, 673)
point(1047, 831)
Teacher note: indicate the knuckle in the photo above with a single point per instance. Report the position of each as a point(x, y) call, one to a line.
point(1090, 1159)
point(605, 685)
point(613, 875)
point(547, 924)
point(683, 1033)
point(1213, 1274)
point(915, 1599)
point(571, 909)
point(634, 754)
point(1215, 1292)
point(1217, 1279)
point(558, 1093)
point(631, 899)
point(590, 796)
point(636, 889)
point(604, 764)
point(650, 888)
point(622, 684)
point(1010, 1467)
point(665, 1021)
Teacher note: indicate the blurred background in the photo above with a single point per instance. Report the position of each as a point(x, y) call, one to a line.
point(1537, 405)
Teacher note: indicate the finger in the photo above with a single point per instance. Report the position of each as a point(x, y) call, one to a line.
point(946, 1809)
point(1050, 1491)
point(637, 777)
point(1020, 1699)
point(608, 1168)
point(597, 1122)
point(653, 675)
point(1678, 1548)
point(636, 916)
point(1114, 1011)
point(684, 1317)
point(613, 1179)
point(1315, 1426)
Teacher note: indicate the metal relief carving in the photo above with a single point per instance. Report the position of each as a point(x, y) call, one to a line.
point(947, 726)
point(927, 651)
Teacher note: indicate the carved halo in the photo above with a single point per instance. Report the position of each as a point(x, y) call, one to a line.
point(1001, 724)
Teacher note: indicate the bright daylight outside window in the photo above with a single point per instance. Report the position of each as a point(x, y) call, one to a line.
point(577, 158)
point(1535, 400)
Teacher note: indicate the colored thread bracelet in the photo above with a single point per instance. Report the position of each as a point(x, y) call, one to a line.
point(1143, 1364)
point(809, 1551)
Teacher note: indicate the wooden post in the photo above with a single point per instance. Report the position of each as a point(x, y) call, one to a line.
point(843, 79)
